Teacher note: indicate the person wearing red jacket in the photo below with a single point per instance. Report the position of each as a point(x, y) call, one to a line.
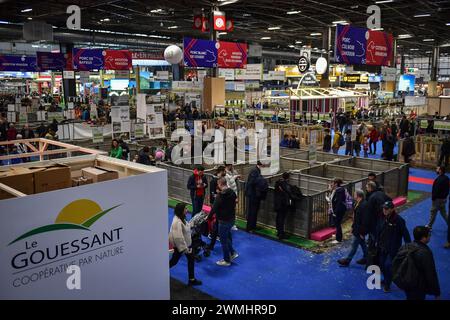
point(11, 134)
point(373, 138)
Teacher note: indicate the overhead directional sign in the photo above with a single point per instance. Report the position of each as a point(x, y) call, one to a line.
point(303, 64)
point(362, 46)
point(200, 53)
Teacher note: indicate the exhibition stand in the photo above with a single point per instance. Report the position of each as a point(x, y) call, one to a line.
point(72, 212)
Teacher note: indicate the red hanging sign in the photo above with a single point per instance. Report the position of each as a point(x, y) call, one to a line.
point(205, 24)
point(198, 21)
point(232, 54)
point(118, 60)
point(229, 25)
point(219, 21)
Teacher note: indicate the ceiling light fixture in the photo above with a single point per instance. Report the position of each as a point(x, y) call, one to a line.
point(447, 24)
point(26, 10)
point(266, 38)
point(384, 1)
point(414, 49)
point(316, 34)
point(172, 27)
point(405, 36)
point(291, 46)
point(156, 10)
point(293, 12)
point(340, 22)
point(30, 18)
point(298, 42)
point(274, 28)
point(428, 40)
point(422, 15)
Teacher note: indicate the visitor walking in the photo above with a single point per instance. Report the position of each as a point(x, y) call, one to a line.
point(225, 210)
point(390, 234)
point(348, 143)
point(423, 279)
point(180, 239)
point(408, 149)
point(359, 230)
point(327, 141)
point(439, 194)
point(338, 141)
point(373, 139)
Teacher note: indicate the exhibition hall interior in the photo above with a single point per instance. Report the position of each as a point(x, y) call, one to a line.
point(224, 150)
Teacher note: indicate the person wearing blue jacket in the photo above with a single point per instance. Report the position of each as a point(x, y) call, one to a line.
point(390, 234)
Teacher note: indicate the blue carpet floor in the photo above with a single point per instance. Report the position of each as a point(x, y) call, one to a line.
point(267, 269)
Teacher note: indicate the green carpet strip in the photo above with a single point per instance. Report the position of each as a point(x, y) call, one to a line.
point(265, 231)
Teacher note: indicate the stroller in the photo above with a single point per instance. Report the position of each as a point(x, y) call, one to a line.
point(197, 224)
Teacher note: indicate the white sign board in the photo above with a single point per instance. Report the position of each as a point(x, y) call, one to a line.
point(68, 74)
point(251, 72)
point(114, 237)
point(415, 101)
point(228, 74)
point(162, 75)
point(155, 125)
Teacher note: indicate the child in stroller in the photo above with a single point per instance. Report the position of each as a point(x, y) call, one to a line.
point(198, 224)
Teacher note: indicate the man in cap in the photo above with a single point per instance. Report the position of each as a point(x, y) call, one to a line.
point(390, 234)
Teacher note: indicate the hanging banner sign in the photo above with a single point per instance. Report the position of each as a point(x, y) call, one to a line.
point(232, 54)
point(157, 55)
point(199, 53)
point(362, 46)
point(118, 60)
point(18, 63)
point(88, 59)
point(50, 61)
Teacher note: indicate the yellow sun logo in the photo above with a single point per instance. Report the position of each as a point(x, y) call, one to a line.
point(79, 214)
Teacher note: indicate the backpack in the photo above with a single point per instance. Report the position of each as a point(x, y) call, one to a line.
point(404, 270)
point(348, 200)
point(341, 140)
point(261, 188)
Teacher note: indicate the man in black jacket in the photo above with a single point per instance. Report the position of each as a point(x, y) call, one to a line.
point(337, 197)
point(372, 176)
point(389, 236)
point(253, 197)
point(375, 199)
point(359, 230)
point(439, 194)
point(409, 148)
point(282, 203)
point(225, 210)
point(428, 282)
point(445, 152)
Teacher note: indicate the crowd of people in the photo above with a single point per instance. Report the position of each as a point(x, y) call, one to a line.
point(384, 239)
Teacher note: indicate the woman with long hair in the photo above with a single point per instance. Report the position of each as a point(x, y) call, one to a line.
point(116, 149)
point(180, 239)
